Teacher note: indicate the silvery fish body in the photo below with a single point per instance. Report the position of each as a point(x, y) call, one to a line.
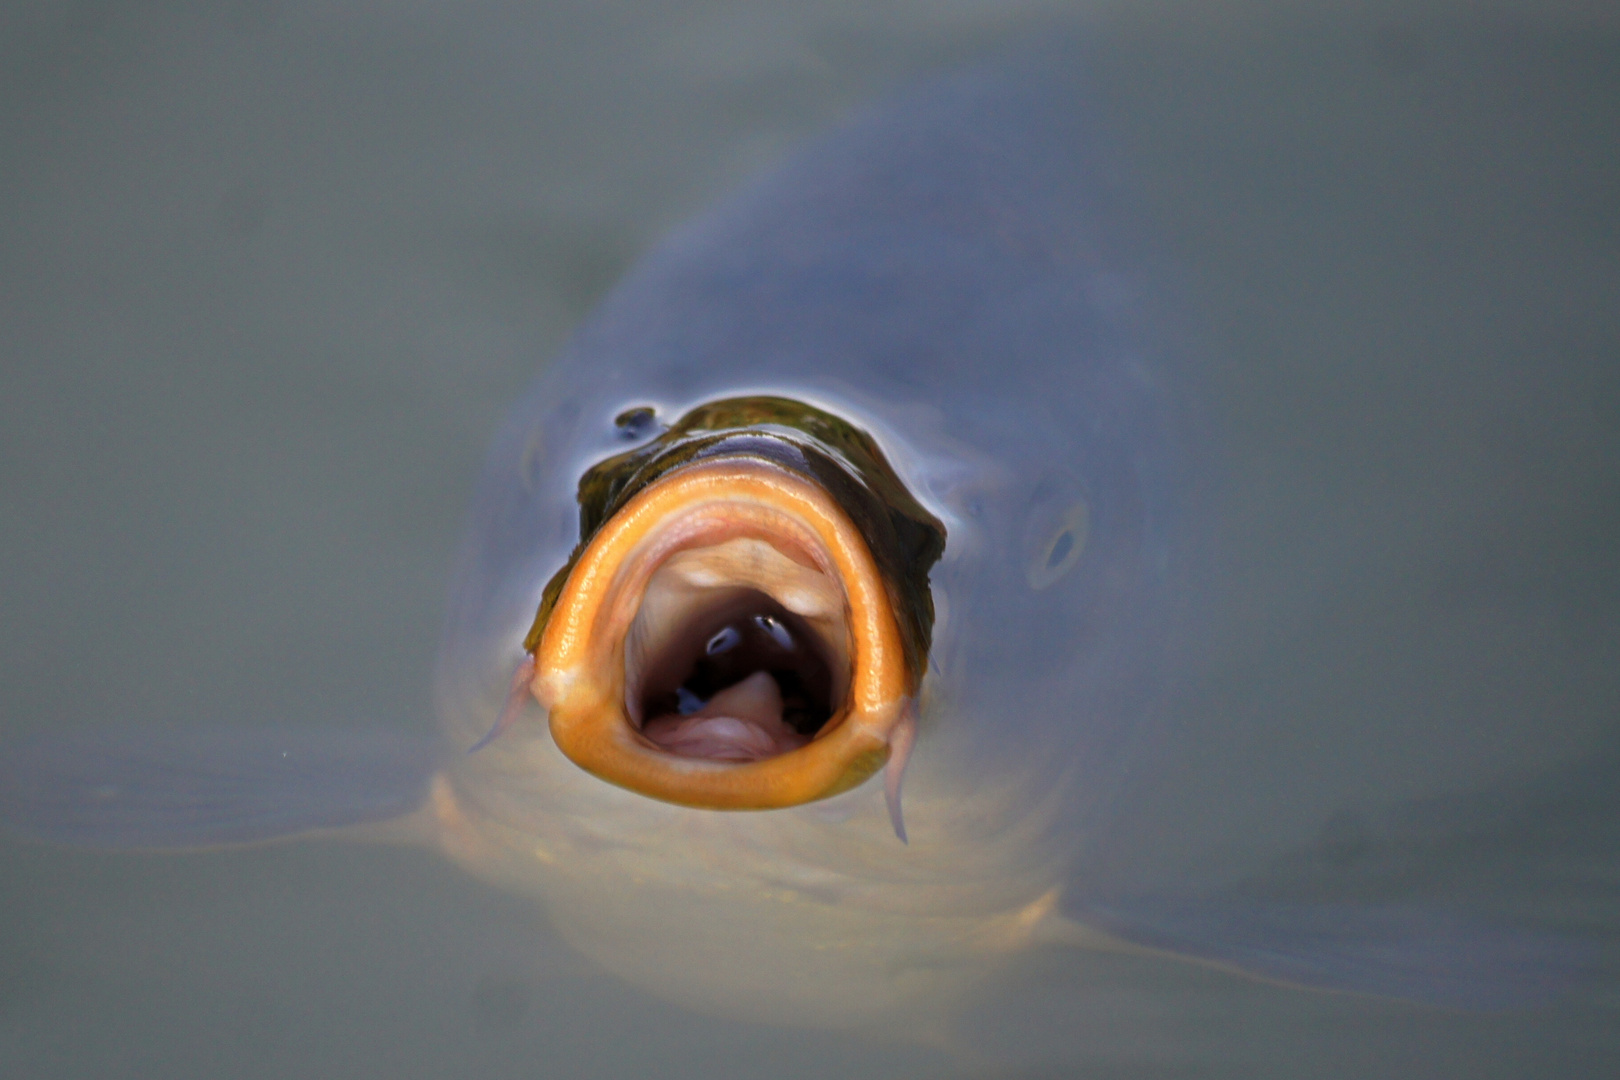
point(954, 282)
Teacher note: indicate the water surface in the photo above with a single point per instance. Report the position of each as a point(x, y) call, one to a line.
point(269, 274)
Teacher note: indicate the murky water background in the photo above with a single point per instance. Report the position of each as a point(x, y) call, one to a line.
point(269, 273)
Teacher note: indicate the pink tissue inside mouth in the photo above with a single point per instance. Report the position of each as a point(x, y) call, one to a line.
point(741, 723)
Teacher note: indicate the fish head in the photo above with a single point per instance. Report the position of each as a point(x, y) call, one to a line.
point(913, 425)
point(716, 677)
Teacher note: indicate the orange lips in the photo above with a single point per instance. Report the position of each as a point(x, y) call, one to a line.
point(715, 539)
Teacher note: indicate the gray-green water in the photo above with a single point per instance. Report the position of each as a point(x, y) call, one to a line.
point(269, 274)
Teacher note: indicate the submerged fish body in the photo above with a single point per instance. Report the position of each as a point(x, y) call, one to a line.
point(952, 278)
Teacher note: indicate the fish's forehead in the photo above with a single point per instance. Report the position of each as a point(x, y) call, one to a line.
point(994, 344)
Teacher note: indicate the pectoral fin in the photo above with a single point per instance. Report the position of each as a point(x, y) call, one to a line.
point(173, 790)
point(1384, 950)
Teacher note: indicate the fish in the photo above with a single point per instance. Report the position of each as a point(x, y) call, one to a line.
point(820, 601)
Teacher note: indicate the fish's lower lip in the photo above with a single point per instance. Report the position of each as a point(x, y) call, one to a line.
point(739, 526)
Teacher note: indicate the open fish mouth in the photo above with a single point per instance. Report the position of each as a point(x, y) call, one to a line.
point(726, 641)
point(741, 626)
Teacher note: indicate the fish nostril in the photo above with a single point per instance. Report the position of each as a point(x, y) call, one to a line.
point(636, 424)
point(1064, 543)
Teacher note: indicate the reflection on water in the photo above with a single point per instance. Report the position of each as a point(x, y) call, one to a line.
point(272, 274)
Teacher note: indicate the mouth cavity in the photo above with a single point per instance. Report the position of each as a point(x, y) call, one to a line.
point(725, 671)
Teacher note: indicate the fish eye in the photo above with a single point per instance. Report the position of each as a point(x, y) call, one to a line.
point(1059, 548)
